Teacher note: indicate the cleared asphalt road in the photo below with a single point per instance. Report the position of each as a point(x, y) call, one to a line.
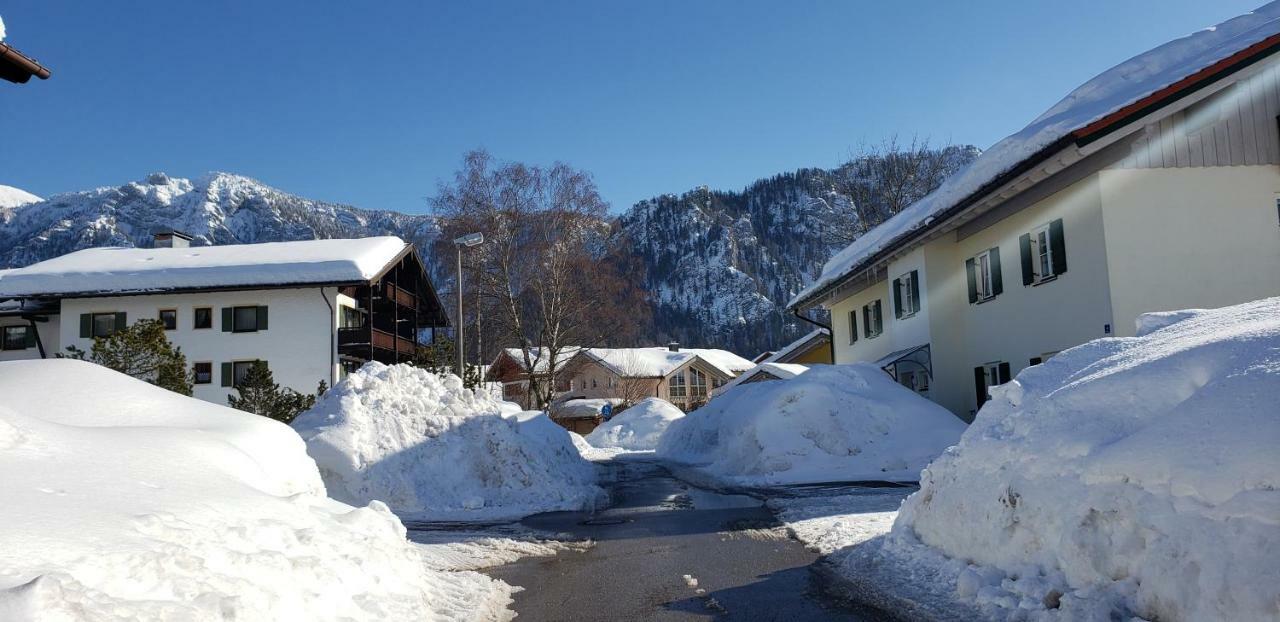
point(740, 566)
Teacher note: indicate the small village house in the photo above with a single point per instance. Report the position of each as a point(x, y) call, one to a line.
point(1154, 186)
point(312, 310)
point(511, 371)
point(685, 377)
point(17, 67)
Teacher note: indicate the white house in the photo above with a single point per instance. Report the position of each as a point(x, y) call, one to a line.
point(1155, 185)
point(311, 310)
point(686, 377)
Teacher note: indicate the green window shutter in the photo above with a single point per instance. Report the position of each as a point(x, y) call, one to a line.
point(227, 374)
point(1003, 372)
point(915, 290)
point(31, 337)
point(1058, 242)
point(980, 384)
point(971, 270)
point(1028, 271)
point(997, 283)
point(853, 326)
point(866, 320)
point(897, 298)
point(86, 325)
point(262, 317)
point(122, 321)
point(227, 321)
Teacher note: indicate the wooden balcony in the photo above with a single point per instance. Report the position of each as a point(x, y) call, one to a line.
point(400, 296)
point(387, 341)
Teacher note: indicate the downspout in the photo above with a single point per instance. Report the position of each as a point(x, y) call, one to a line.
point(333, 330)
point(39, 342)
point(796, 312)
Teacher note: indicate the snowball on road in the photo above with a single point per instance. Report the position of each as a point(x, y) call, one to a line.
point(834, 422)
point(1135, 477)
point(433, 450)
point(123, 501)
point(637, 428)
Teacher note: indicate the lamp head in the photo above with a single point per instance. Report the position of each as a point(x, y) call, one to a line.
point(470, 239)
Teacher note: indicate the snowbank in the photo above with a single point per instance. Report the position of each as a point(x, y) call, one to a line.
point(636, 428)
point(123, 501)
point(433, 450)
point(835, 422)
point(1124, 477)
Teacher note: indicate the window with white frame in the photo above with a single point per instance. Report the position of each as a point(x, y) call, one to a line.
point(906, 295)
point(853, 326)
point(1044, 253)
point(16, 338)
point(983, 273)
point(872, 319)
point(676, 386)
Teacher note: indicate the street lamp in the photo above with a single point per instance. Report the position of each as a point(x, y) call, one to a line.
point(468, 240)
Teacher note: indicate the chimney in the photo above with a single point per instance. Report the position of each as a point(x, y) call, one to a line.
point(172, 239)
point(674, 346)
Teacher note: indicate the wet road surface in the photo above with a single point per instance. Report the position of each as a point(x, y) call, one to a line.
point(740, 564)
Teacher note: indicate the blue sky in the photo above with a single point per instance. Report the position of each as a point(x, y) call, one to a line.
point(373, 103)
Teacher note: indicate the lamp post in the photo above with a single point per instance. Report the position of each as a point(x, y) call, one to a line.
point(468, 240)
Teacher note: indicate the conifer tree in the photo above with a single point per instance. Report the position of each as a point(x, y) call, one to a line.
point(142, 351)
point(260, 395)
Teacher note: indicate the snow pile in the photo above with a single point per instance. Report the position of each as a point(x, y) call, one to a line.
point(433, 450)
point(834, 422)
point(10, 196)
point(123, 501)
point(1124, 477)
point(152, 269)
point(637, 428)
point(1107, 92)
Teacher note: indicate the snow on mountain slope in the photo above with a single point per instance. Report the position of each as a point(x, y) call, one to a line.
point(13, 197)
point(218, 208)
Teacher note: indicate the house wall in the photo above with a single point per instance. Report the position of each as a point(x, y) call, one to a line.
point(1023, 321)
point(608, 384)
point(689, 401)
point(820, 355)
point(298, 344)
point(898, 333)
point(1190, 237)
point(49, 335)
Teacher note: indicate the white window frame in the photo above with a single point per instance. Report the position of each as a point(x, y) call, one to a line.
point(874, 311)
point(1041, 255)
point(992, 371)
point(910, 306)
point(676, 387)
point(853, 326)
point(982, 275)
point(697, 383)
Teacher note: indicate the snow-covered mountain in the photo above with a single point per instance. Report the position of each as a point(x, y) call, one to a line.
point(218, 208)
point(722, 265)
point(13, 197)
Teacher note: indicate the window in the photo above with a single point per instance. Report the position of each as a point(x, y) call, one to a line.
point(716, 383)
point(169, 317)
point(676, 386)
point(872, 320)
point(906, 295)
point(202, 372)
point(239, 370)
point(593, 383)
point(983, 272)
point(989, 375)
point(105, 324)
point(853, 326)
point(916, 380)
point(697, 383)
point(1044, 253)
point(17, 338)
point(203, 318)
point(351, 318)
point(244, 319)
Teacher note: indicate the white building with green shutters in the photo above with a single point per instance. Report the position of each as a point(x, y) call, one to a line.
point(1154, 186)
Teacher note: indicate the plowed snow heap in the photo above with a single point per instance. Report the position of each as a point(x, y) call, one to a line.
point(434, 450)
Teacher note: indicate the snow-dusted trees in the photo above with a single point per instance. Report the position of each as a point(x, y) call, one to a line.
point(545, 279)
point(882, 180)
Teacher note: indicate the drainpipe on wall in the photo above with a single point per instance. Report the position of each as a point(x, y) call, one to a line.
point(333, 330)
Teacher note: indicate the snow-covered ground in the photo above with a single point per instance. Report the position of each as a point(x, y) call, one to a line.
point(123, 501)
point(1133, 478)
point(433, 450)
point(833, 423)
point(638, 427)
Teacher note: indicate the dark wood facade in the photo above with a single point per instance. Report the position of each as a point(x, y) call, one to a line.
point(393, 311)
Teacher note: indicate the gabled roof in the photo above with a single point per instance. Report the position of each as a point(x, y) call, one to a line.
point(815, 338)
point(779, 371)
point(658, 362)
point(1135, 87)
point(120, 271)
point(541, 357)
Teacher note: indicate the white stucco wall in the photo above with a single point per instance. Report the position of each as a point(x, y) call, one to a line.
point(297, 344)
point(1190, 237)
point(49, 335)
point(898, 333)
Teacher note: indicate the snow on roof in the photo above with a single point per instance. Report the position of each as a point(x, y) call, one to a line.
point(541, 357)
point(781, 371)
point(657, 362)
point(796, 345)
point(134, 270)
point(1106, 93)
